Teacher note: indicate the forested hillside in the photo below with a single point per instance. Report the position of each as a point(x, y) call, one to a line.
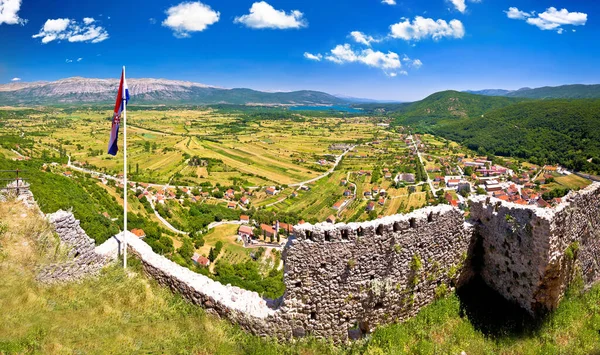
point(547, 131)
point(441, 105)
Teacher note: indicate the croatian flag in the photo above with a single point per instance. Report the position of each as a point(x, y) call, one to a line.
point(122, 99)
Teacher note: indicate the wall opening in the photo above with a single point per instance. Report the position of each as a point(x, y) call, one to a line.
point(360, 232)
point(430, 217)
point(313, 315)
point(413, 223)
point(396, 227)
point(378, 305)
point(379, 230)
point(309, 235)
point(298, 284)
point(344, 234)
point(323, 265)
point(327, 236)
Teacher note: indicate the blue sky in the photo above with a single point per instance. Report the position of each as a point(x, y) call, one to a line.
point(391, 50)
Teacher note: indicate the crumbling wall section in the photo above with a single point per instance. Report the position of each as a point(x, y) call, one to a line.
point(82, 260)
point(530, 255)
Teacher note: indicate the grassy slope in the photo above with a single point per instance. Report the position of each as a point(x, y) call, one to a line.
point(119, 313)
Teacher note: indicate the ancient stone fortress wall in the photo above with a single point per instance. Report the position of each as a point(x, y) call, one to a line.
point(531, 254)
point(360, 275)
point(345, 279)
point(82, 260)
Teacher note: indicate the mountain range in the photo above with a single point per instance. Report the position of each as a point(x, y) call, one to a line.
point(151, 91)
point(578, 91)
point(79, 90)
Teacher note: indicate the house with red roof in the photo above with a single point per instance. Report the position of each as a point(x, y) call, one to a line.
point(139, 233)
point(268, 231)
point(200, 260)
point(245, 232)
point(370, 206)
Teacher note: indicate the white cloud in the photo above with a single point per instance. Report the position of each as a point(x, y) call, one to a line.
point(79, 59)
point(362, 38)
point(422, 28)
point(71, 30)
point(152, 21)
point(459, 5)
point(9, 12)
point(389, 2)
point(416, 63)
point(15, 79)
point(389, 62)
point(263, 15)
point(317, 57)
point(551, 19)
point(516, 14)
point(190, 17)
point(69, 61)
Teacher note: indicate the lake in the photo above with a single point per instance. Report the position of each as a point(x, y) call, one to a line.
point(325, 108)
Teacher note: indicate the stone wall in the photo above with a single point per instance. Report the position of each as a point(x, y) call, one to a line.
point(359, 275)
point(345, 279)
point(531, 254)
point(82, 260)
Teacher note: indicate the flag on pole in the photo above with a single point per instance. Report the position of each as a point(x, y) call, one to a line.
point(122, 99)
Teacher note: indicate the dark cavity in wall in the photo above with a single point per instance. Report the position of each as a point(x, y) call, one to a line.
point(492, 314)
point(486, 309)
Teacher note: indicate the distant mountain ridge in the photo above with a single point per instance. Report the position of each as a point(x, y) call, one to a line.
point(577, 91)
point(151, 91)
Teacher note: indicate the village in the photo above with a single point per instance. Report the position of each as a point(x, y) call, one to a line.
point(395, 171)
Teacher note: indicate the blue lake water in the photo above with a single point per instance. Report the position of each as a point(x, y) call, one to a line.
point(325, 108)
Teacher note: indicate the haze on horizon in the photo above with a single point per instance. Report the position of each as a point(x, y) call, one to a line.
point(384, 50)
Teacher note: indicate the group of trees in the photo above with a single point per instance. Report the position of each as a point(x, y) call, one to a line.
point(247, 275)
point(543, 132)
point(214, 252)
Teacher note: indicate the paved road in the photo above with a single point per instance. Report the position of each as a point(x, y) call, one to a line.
point(164, 221)
point(337, 161)
point(429, 181)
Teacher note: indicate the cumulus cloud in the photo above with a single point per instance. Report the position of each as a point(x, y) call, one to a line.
point(421, 28)
point(389, 2)
point(190, 17)
point(362, 38)
point(79, 59)
point(551, 19)
point(416, 63)
point(389, 62)
point(72, 31)
point(15, 79)
point(68, 61)
point(516, 14)
point(263, 15)
point(9, 12)
point(460, 5)
point(316, 57)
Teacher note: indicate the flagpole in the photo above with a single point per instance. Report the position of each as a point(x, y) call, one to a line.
point(124, 178)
